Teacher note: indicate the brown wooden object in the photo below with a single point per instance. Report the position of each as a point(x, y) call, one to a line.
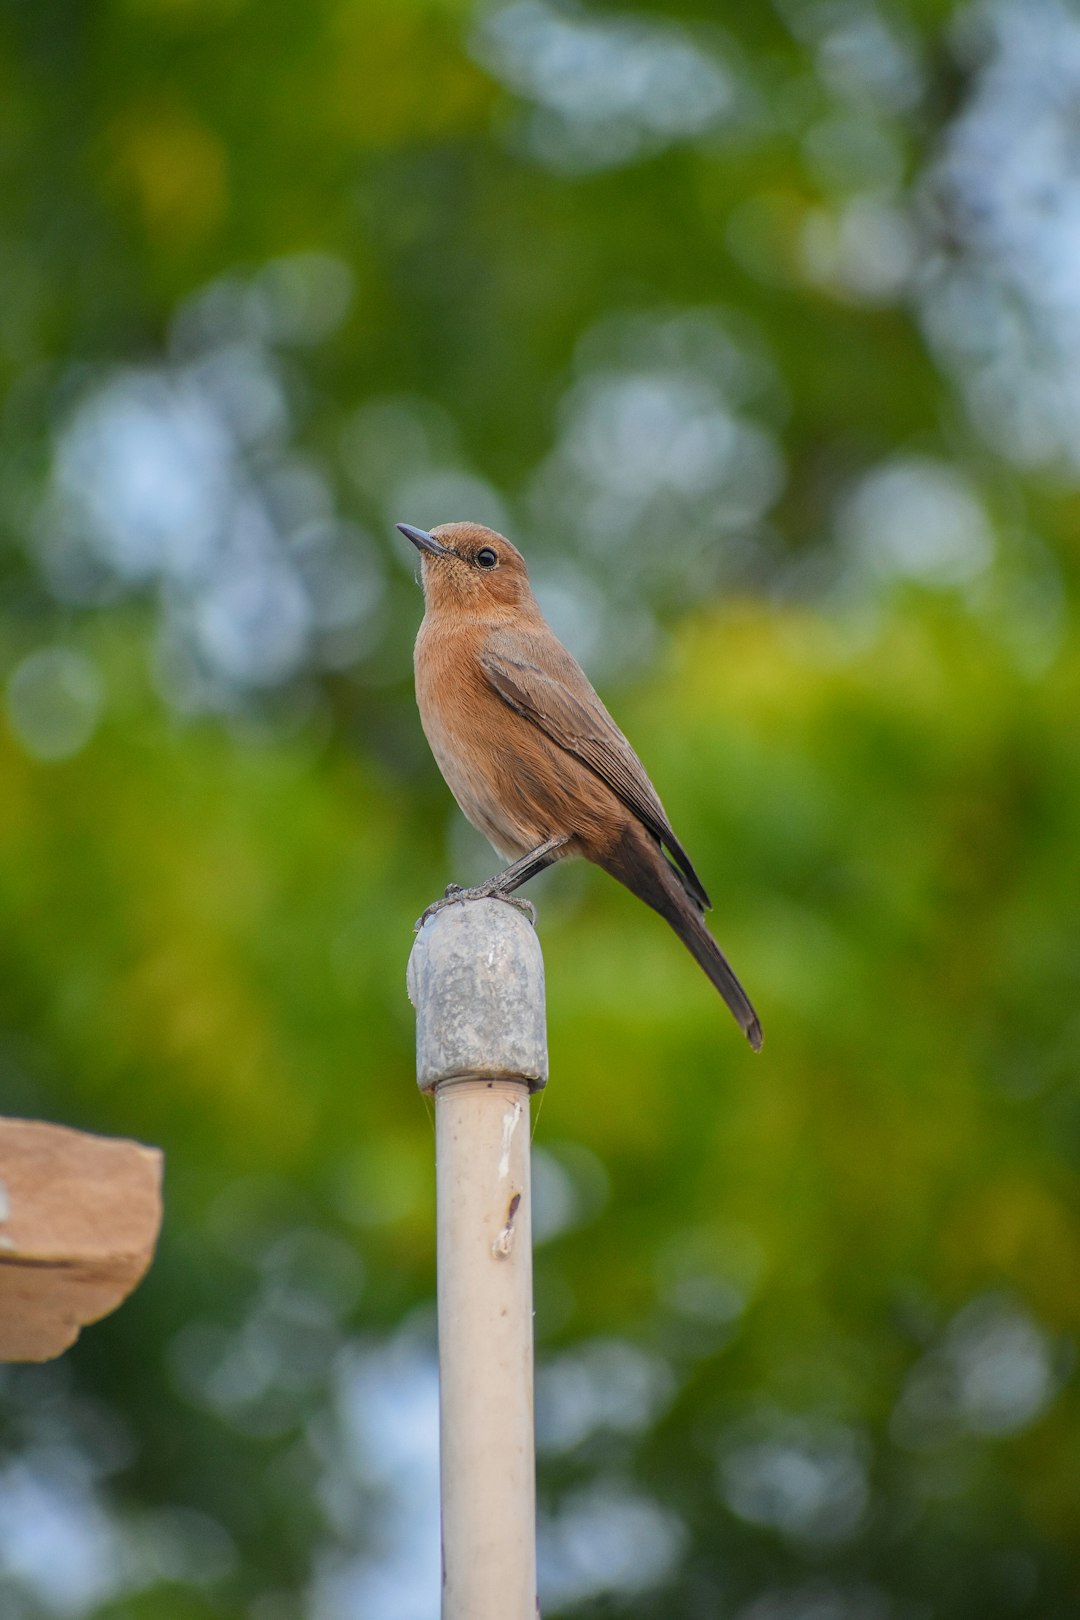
point(79, 1219)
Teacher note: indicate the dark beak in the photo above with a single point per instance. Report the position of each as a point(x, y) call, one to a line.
point(424, 541)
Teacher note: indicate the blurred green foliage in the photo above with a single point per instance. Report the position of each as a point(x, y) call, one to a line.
point(712, 308)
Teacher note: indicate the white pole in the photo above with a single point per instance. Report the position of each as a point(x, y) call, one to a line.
point(476, 978)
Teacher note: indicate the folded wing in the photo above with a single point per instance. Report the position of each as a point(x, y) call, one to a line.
point(565, 707)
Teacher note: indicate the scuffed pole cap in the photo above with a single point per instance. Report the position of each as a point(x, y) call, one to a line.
point(476, 979)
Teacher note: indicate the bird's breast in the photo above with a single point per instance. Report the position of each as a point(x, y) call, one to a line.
point(471, 734)
point(511, 779)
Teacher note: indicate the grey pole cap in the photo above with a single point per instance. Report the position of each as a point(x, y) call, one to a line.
point(476, 979)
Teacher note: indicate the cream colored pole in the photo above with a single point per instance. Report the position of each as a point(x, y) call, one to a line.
point(476, 978)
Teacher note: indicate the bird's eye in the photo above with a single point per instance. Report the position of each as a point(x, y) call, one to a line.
point(486, 558)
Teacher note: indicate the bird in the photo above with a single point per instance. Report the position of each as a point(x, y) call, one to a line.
point(530, 753)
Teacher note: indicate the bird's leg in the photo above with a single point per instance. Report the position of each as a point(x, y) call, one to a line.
point(503, 884)
point(522, 870)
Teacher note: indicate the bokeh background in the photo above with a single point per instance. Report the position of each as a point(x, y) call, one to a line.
point(758, 327)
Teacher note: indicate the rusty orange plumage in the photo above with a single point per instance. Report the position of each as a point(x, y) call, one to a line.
point(529, 751)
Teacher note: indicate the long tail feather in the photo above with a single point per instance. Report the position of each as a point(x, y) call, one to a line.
point(638, 863)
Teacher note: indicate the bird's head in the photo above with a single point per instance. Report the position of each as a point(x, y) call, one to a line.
point(465, 566)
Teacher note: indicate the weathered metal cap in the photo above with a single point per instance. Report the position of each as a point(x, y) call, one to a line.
point(476, 979)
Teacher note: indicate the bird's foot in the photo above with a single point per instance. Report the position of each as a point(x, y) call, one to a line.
point(456, 895)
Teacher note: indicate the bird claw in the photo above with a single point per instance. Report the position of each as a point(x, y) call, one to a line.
point(456, 895)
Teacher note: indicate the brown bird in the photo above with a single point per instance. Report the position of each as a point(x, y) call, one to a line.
point(529, 751)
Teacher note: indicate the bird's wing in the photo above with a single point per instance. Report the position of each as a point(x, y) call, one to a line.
point(565, 707)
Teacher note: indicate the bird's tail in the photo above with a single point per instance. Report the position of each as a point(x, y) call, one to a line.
point(638, 863)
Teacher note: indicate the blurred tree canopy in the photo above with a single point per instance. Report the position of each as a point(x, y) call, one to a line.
point(759, 329)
